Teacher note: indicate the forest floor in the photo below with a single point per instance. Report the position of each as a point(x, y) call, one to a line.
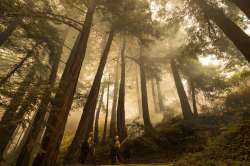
point(211, 139)
point(130, 164)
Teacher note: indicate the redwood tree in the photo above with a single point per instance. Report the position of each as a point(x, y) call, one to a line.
point(144, 96)
point(114, 103)
point(38, 126)
point(121, 127)
point(185, 106)
point(64, 97)
point(240, 39)
point(193, 93)
point(104, 136)
point(87, 119)
point(158, 86)
point(9, 120)
point(244, 5)
point(138, 90)
point(96, 131)
point(154, 95)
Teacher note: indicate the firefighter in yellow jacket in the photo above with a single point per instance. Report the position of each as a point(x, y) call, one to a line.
point(88, 149)
point(115, 151)
point(91, 142)
point(91, 146)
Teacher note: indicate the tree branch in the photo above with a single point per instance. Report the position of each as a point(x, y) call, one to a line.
point(62, 19)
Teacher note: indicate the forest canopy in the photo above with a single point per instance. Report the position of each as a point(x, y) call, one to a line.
point(124, 81)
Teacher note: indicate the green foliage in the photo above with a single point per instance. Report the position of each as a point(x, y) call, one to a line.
point(130, 17)
point(153, 69)
point(239, 98)
point(207, 79)
point(211, 137)
point(204, 37)
point(239, 76)
point(207, 140)
point(174, 139)
point(231, 147)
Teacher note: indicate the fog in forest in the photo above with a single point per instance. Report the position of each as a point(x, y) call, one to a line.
point(100, 82)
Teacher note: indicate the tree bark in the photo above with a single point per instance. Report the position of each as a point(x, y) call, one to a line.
point(19, 65)
point(195, 111)
point(22, 139)
point(4, 36)
point(8, 122)
point(86, 122)
point(240, 39)
point(185, 106)
point(121, 127)
point(31, 99)
point(38, 125)
point(114, 104)
point(138, 90)
point(96, 132)
point(104, 137)
point(156, 103)
point(144, 96)
point(161, 105)
point(59, 99)
point(64, 97)
point(244, 6)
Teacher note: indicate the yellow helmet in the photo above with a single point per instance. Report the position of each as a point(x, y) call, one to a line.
point(116, 137)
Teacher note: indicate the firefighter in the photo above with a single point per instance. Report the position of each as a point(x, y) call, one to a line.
point(88, 149)
point(115, 151)
point(91, 146)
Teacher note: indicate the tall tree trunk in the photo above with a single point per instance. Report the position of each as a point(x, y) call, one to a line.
point(138, 89)
point(64, 97)
point(25, 157)
point(18, 65)
point(185, 106)
point(195, 111)
point(21, 140)
point(240, 39)
point(156, 103)
point(144, 95)
point(121, 126)
point(4, 36)
point(162, 108)
point(25, 108)
point(8, 124)
point(244, 5)
point(96, 132)
point(86, 122)
point(114, 103)
point(104, 136)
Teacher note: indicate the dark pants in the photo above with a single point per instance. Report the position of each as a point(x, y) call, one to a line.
point(87, 152)
point(115, 156)
point(92, 155)
point(84, 153)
